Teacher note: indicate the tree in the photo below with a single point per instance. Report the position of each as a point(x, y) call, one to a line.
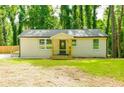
point(119, 31)
point(108, 21)
point(100, 24)
point(65, 18)
point(94, 16)
point(107, 17)
point(88, 16)
point(76, 22)
point(81, 16)
point(22, 18)
point(3, 26)
point(122, 35)
point(1, 37)
point(114, 52)
point(12, 13)
point(41, 17)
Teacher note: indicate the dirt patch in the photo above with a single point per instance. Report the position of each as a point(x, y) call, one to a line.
point(27, 75)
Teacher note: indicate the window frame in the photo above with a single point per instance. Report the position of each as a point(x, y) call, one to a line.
point(41, 45)
point(95, 43)
point(45, 44)
point(75, 42)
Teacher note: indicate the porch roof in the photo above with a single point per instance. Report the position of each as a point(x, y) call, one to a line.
point(61, 36)
point(40, 33)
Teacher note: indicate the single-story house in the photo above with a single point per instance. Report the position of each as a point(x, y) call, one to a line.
point(59, 44)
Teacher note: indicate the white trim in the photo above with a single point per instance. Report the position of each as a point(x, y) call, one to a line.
point(45, 44)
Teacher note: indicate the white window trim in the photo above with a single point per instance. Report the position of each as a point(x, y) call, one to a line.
point(76, 42)
point(98, 45)
point(45, 44)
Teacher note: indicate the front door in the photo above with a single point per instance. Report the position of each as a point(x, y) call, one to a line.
point(62, 47)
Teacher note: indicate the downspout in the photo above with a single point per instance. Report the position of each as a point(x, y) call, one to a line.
point(106, 47)
point(19, 49)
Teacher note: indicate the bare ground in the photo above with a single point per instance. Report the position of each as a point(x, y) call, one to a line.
point(27, 75)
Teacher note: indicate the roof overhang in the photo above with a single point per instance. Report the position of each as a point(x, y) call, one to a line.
point(91, 37)
point(72, 36)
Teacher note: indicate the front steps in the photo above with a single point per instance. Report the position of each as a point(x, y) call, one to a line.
point(61, 57)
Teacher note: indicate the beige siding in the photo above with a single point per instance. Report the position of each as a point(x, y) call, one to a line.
point(84, 48)
point(30, 49)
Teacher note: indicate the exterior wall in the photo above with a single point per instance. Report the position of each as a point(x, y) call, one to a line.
point(84, 48)
point(29, 48)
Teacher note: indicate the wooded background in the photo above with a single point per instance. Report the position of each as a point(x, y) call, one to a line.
point(17, 18)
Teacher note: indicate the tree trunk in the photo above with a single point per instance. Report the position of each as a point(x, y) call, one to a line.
point(88, 15)
point(122, 44)
point(107, 31)
point(75, 17)
point(20, 28)
point(4, 32)
point(113, 32)
point(14, 31)
point(81, 16)
point(94, 16)
point(108, 23)
point(1, 37)
point(119, 32)
point(65, 19)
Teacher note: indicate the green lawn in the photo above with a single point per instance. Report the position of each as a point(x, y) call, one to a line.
point(101, 67)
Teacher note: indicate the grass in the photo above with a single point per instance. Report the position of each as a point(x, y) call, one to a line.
point(113, 68)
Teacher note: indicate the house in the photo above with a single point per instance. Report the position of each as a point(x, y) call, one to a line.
point(62, 44)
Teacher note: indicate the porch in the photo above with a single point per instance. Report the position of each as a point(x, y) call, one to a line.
point(61, 46)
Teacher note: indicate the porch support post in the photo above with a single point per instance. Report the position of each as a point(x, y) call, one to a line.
point(70, 47)
point(52, 47)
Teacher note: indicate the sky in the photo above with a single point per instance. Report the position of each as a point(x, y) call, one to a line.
point(100, 11)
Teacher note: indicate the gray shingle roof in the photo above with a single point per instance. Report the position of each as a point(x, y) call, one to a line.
point(73, 32)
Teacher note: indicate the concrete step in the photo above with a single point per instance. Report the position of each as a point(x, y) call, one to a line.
point(61, 57)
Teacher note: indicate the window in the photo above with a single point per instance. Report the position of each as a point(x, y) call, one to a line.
point(48, 44)
point(45, 44)
point(42, 43)
point(95, 43)
point(73, 42)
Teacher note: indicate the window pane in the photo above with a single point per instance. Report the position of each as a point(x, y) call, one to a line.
point(49, 41)
point(48, 44)
point(73, 42)
point(96, 44)
point(42, 41)
point(42, 47)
